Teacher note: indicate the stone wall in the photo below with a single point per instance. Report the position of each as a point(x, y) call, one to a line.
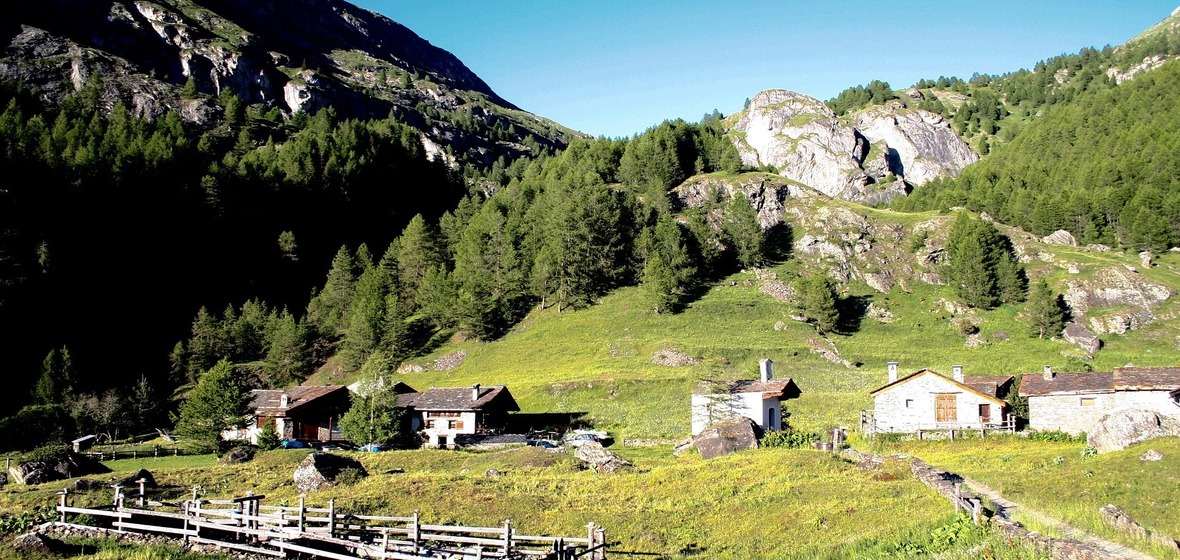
point(892, 415)
point(1066, 413)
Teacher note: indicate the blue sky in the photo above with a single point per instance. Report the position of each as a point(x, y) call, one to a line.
point(615, 68)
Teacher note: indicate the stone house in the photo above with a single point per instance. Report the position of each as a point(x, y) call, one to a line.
point(443, 413)
point(306, 413)
point(760, 400)
point(1075, 402)
point(928, 400)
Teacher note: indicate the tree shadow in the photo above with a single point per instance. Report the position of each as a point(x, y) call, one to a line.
point(852, 311)
point(778, 243)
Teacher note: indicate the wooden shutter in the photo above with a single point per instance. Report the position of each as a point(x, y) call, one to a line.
point(985, 413)
point(945, 408)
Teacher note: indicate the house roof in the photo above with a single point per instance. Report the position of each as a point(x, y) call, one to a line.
point(495, 397)
point(268, 402)
point(784, 388)
point(1129, 378)
point(988, 384)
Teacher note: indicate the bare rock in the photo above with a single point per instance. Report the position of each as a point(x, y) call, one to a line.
point(410, 368)
point(672, 358)
point(1060, 237)
point(63, 465)
point(1122, 428)
point(974, 341)
point(491, 473)
point(780, 326)
point(1131, 299)
point(240, 454)
point(880, 314)
point(450, 361)
point(88, 485)
point(736, 434)
point(319, 470)
point(133, 480)
point(1145, 259)
point(1121, 522)
point(600, 459)
point(1082, 337)
point(32, 543)
point(1151, 455)
point(1097, 247)
point(827, 350)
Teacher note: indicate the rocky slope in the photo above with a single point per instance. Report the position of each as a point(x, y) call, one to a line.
point(874, 154)
point(296, 56)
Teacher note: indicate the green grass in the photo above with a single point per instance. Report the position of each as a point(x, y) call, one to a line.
point(1058, 479)
point(768, 503)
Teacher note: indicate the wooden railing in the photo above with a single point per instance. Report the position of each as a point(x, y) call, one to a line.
point(870, 426)
point(246, 525)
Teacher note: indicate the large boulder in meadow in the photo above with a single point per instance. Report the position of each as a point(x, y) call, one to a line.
point(321, 469)
point(735, 434)
point(1122, 428)
point(55, 466)
point(600, 459)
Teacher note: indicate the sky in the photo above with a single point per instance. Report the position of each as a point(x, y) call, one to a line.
point(614, 68)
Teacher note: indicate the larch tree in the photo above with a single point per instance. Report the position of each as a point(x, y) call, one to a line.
point(219, 400)
point(743, 233)
point(1046, 314)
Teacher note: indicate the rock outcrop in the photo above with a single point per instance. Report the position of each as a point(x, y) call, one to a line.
point(877, 157)
point(60, 466)
point(600, 459)
point(1082, 337)
point(1122, 428)
point(319, 470)
point(729, 436)
point(1127, 300)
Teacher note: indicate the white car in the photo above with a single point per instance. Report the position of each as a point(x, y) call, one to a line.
point(578, 440)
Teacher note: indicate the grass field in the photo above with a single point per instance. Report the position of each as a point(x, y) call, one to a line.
point(1069, 483)
point(767, 503)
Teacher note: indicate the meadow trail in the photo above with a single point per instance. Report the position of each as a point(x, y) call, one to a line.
point(1006, 507)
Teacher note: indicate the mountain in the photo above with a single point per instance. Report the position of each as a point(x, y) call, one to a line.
point(294, 57)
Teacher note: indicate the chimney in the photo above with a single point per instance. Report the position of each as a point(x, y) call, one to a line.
point(284, 400)
point(957, 373)
point(1048, 373)
point(764, 368)
point(475, 392)
point(892, 371)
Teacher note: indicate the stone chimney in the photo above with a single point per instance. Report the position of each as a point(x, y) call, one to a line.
point(284, 400)
point(892, 371)
point(1048, 373)
point(957, 373)
point(764, 368)
point(475, 392)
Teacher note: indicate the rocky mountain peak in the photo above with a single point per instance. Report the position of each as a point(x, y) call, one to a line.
point(871, 155)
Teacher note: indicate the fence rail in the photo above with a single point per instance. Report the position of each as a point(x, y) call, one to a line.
point(276, 530)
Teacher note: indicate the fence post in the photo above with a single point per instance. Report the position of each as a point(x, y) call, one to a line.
point(958, 496)
point(332, 518)
point(64, 494)
point(302, 512)
point(977, 511)
point(184, 536)
point(507, 538)
point(196, 491)
point(142, 492)
point(415, 532)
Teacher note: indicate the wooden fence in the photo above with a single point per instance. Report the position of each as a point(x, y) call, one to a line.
point(246, 525)
point(869, 426)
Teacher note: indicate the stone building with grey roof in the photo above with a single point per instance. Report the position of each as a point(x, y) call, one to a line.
point(444, 413)
point(929, 400)
point(1075, 402)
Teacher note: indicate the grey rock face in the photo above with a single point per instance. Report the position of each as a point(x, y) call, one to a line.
point(1082, 337)
point(806, 142)
point(1060, 237)
point(1120, 429)
point(599, 458)
point(1134, 297)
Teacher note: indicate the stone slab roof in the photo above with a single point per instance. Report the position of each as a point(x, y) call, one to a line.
point(491, 398)
point(784, 388)
point(988, 384)
point(1121, 379)
point(268, 402)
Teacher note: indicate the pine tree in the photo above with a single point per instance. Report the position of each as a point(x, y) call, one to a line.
point(817, 301)
point(374, 418)
point(419, 251)
point(1046, 315)
point(287, 360)
point(487, 275)
point(207, 344)
point(743, 232)
point(328, 310)
point(219, 400)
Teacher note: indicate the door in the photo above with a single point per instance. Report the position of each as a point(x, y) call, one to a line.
point(771, 419)
point(309, 431)
point(985, 413)
point(945, 408)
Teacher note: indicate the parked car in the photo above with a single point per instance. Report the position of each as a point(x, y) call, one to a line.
point(337, 446)
point(372, 447)
point(544, 444)
point(578, 440)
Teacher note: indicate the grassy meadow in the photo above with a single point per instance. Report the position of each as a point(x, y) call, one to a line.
point(1068, 482)
point(767, 503)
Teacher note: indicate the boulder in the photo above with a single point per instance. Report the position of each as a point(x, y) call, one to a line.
point(1145, 259)
point(1114, 300)
point(62, 465)
point(1060, 237)
point(599, 459)
point(88, 485)
point(1082, 337)
point(1122, 428)
point(737, 434)
point(34, 544)
point(237, 455)
point(1151, 455)
point(318, 470)
point(1117, 518)
point(133, 480)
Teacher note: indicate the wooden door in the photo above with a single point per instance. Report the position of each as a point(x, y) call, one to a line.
point(985, 413)
point(945, 408)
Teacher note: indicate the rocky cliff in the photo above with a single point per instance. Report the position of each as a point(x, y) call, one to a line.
point(295, 56)
point(874, 154)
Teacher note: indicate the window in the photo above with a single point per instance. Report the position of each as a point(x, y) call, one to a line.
point(430, 424)
point(909, 403)
point(1088, 401)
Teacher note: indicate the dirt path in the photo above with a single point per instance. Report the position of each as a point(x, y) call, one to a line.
point(1006, 507)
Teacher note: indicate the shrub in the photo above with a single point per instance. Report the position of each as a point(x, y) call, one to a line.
point(268, 438)
point(349, 476)
point(789, 439)
point(1056, 436)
